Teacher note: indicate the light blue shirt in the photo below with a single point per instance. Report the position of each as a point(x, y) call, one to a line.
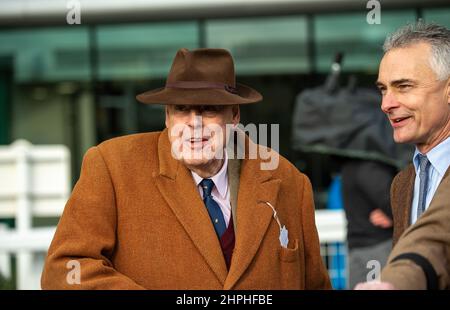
point(439, 158)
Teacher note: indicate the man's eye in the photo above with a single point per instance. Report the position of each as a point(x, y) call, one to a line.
point(181, 108)
point(404, 86)
point(210, 108)
point(213, 108)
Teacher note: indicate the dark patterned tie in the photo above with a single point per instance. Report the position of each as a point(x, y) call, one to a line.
point(213, 207)
point(424, 166)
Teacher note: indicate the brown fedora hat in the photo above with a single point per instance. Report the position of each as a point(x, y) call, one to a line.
point(201, 77)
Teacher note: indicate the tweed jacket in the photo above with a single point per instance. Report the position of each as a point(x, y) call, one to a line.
point(402, 190)
point(429, 237)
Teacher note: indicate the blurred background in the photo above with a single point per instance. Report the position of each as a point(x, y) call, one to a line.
point(65, 88)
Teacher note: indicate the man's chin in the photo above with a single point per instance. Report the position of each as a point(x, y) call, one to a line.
point(401, 137)
point(403, 140)
point(197, 162)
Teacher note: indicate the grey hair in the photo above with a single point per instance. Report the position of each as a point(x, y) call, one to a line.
point(435, 35)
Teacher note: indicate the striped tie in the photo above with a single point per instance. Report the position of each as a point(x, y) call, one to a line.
point(424, 166)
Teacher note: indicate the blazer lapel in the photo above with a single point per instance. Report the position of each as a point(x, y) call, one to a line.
point(177, 186)
point(403, 200)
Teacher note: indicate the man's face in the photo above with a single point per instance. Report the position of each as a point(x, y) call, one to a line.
point(198, 133)
point(415, 101)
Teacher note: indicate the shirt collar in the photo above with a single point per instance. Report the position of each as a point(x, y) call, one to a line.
point(438, 156)
point(220, 179)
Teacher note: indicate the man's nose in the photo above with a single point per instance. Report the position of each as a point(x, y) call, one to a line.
point(195, 118)
point(389, 102)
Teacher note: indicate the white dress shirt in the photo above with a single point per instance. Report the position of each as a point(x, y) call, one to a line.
point(220, 191)
point(439, 158)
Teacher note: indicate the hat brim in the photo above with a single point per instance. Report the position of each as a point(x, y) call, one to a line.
point(203, 96)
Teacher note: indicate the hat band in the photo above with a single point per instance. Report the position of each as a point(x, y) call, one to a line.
point(202, 85)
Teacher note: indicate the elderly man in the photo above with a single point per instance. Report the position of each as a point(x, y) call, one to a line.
point(414, 79)
point(176, 210)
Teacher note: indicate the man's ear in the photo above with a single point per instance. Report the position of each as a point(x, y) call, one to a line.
point(166, 108)
point(448, 90)
point(236, 114)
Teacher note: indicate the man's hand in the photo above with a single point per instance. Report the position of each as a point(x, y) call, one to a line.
point(380, 219)
point(374, 285)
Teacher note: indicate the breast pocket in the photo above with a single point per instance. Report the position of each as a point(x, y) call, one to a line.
point(291, 275)
point(289, 254)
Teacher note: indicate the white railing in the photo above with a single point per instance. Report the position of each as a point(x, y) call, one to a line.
point(331, 226)
point(34, 182)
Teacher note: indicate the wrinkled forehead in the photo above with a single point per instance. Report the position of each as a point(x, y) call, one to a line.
point(411, 63)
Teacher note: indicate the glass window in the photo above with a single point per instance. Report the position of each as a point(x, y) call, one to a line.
point(49, 97)
point(440, 16)
point(47, 54)
point(262, 45)
point(5, 94)
point(360, 42)
point(142, 50)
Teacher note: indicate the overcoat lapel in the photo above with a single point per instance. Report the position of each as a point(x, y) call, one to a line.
point(234, 172)
point(253, 215)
